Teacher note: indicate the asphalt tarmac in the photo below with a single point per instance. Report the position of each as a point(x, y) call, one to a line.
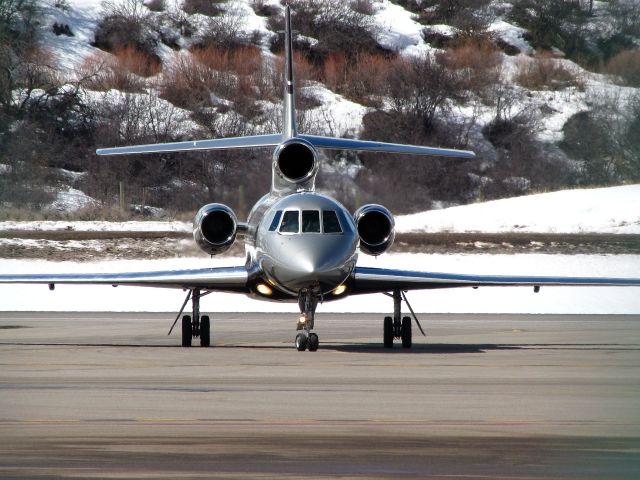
point(112, 396)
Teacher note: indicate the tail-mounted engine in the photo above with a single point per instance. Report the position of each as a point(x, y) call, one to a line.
point(376, 228)
point(295, 164)
point(215, 228)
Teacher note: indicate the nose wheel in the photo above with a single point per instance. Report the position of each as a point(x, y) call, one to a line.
point(306, 339)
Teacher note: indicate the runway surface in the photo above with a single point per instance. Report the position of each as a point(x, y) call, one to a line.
point(111, 396)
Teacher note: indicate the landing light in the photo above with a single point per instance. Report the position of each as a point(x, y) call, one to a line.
point(264, 289)
point(340, 289)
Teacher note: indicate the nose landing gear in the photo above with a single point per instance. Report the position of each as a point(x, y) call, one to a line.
point(306, 339)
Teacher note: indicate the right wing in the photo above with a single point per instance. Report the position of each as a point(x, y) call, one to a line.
point(374, 280)
point(225, 279)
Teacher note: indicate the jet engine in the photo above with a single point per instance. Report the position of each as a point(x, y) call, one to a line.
point(296, 161)
point(215, 228)
point(376, 228)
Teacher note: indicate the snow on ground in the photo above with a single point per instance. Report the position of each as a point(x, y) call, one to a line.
point(98, 226)
point(399, 31)
point(604, 210)
point(82, 17)
point(511, 34)
point(592, 300)
point(72, 200)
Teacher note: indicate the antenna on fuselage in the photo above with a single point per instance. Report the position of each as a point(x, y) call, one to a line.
point(289, 114)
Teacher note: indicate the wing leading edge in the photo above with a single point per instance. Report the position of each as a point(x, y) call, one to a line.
point(225, 279)
point(372, 280)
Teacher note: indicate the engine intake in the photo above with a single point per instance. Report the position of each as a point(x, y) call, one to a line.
point(376, 228)
point(215, 228)
point(297, 161)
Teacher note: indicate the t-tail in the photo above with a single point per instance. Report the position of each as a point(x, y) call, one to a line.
point(295, 156)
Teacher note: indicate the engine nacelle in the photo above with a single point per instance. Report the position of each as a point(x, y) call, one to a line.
point(376, 228)
point(215, 228)
point(296, 161)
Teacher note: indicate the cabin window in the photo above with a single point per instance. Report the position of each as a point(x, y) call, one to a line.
point(290, 222)
point(310, 221)
point(330, 223)
point(275, 221)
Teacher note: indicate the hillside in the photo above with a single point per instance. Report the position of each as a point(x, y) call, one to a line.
point(545, 92)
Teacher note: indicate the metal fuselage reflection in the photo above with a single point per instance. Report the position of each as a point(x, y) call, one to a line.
point(294, 245)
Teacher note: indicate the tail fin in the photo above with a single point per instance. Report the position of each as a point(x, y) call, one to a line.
point(289, 114)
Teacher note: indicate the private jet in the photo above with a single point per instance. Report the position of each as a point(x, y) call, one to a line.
point(301, 246)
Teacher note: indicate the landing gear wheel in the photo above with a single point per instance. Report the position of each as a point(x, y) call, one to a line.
point(205, 329)
point(313, 342)
point(388, 332)
point(301, 342)
point(186, 331)
point(406, 332)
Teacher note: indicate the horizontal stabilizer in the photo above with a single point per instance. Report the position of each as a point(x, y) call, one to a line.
point(367, 146)
point(214, 144)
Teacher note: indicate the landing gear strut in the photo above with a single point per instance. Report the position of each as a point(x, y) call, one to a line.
point(397, 327)
point(194, 325)
point(306, 339)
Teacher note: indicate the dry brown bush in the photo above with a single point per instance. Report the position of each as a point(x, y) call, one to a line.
point(363, 80)
point(626, 66)
point(123, 71)
point(242, 60)
point(476, 60)
point(185, 82)
point(546, 73)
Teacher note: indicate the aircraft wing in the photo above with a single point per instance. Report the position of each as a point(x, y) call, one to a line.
point(226, 279)
point(372, 280)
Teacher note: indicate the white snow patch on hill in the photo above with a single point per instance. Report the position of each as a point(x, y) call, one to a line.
point(604, 210)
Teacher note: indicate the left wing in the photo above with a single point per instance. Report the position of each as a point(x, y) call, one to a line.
point(373, 280)
point(227, 279)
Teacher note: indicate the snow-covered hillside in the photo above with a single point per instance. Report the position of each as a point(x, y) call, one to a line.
point(497, 92)
point(598, 210)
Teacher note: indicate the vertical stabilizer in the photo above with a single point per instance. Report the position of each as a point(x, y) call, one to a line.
point(289, 119)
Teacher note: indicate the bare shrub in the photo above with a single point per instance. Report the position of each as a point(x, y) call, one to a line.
point(245, 60)
point(476, 60)
point(224, 31)
point(334, 23)
point(263, 8)
point(546, 73)
point(363, 80)
point(123, 71)
point(126, 24)
point(466, 15)
point(420, 86)
point(203, 7)
point(626, 67)
point(155, 5)
point(185, 82)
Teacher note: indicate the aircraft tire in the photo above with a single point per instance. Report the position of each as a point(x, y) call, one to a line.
point(301, 342)
point(406, 332)
point(186, 331)
point(313, 342)
point(388, 332)
point(205, 331)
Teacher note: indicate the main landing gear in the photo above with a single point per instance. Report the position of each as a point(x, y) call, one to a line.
point(306, 339)
point(395, 327)
point(195, 325)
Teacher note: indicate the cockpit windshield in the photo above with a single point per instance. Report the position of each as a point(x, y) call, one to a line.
point(290, 222)
point(312, 221)
point(330, 223)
